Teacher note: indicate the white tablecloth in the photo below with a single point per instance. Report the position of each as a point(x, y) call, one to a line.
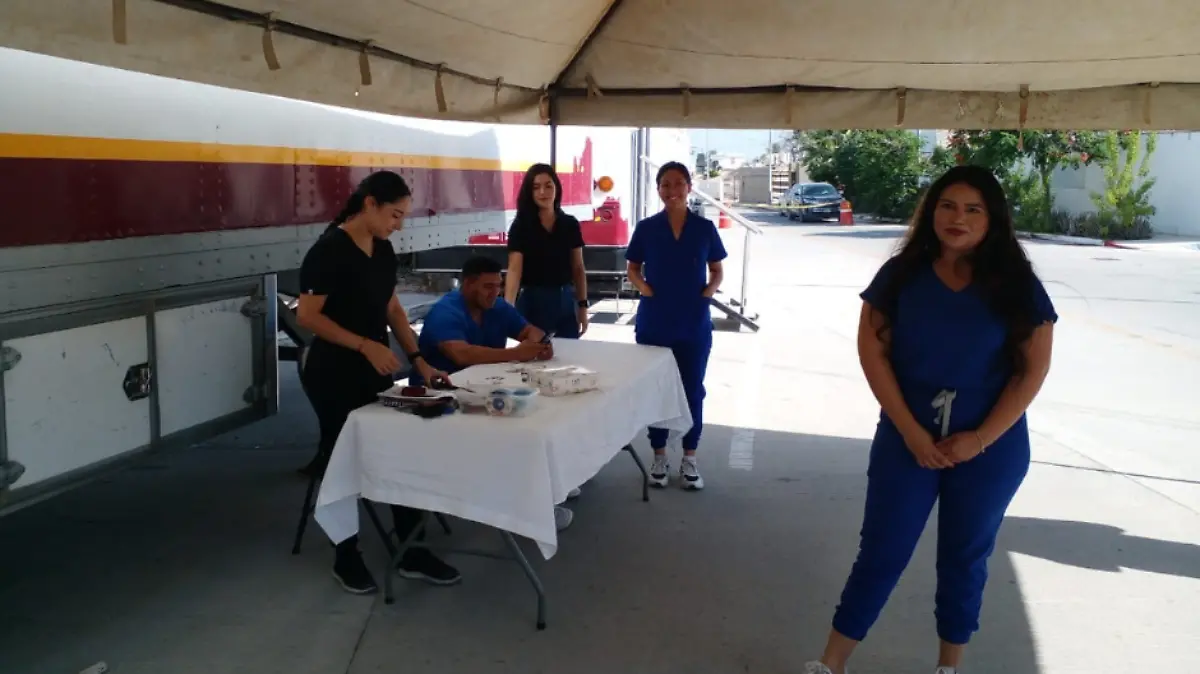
point(506, 472)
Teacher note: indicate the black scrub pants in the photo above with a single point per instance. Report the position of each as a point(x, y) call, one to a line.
point(335, 391)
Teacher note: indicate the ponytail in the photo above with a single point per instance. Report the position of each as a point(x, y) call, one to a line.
point(353, 207)
point(384, 186)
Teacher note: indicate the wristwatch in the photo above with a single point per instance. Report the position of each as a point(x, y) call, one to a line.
point(583, 304)
point(412, 357)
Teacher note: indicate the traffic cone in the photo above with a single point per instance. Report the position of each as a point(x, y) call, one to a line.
point(724, 222)
point(845, 214)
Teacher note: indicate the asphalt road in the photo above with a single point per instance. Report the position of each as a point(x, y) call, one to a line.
point(1124, 391)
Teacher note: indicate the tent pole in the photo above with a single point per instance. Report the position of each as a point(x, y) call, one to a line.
point(553, 131)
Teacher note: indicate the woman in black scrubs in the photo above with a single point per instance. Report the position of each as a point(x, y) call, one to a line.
point(546, 279)
point(348, 300)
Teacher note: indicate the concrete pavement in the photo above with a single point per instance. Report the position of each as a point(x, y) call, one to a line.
point(182, 565)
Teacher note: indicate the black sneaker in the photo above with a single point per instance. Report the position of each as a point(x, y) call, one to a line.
point(421, 564)
point(353, 575)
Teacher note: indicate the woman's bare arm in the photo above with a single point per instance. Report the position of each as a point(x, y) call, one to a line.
point(401, 326)
point(873, 356)
point(1021, 391)
point(512, 279)
point(634, 271)
point(309, 316)
point(579, 274)
point(716, 274)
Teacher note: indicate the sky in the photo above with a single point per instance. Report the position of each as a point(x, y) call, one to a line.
point(748, 143)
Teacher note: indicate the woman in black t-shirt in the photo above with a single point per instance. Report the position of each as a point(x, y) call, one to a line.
point(348, 300)
point(546, 278)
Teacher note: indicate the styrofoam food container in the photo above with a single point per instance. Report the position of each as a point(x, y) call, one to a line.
point(511, 401)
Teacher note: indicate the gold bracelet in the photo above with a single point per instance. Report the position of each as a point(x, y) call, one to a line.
point(982, 447)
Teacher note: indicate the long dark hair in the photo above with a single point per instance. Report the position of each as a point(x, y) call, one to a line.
point(527, 208)
point(1001, 271)
point(385, 187)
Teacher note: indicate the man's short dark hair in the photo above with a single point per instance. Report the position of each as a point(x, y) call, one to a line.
point(479, 265)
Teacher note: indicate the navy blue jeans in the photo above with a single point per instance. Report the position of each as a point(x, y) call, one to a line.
point(551, 308)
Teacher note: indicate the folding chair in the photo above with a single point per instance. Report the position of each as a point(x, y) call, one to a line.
point(310, 496)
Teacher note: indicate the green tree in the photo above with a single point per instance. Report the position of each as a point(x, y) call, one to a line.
point(994, 150)
point(940, 161)
point(1048, 151)
point(1004, 152)
point(880, 171)
point(1026, 198)
point(817, 150)
point(1126, 196)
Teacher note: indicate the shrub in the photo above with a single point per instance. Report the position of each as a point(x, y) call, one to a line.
point(1102, 225)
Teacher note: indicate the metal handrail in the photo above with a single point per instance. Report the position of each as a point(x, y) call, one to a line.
point(736, 217)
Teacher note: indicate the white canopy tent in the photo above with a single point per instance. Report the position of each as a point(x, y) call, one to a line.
point(1097, 64)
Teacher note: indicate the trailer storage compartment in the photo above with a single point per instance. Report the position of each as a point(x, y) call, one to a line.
point(84, 387)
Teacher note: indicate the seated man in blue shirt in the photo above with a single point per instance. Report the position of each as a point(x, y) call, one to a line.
point(472, 326)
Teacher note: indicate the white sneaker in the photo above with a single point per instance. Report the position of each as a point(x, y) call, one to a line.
point(689, 474)
point(816, 667)
point(563, 517)
point(945, 670)
point(660, 470)
point(574, 493)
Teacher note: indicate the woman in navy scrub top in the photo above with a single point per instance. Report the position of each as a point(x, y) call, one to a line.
point(348, 300)
point(675, 263)
point(954, 338)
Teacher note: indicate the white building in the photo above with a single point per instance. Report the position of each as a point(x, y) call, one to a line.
point(728, 161)
point(1175, 166)
point(931, 138)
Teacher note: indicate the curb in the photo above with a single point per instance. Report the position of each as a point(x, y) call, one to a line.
point(1074, 240)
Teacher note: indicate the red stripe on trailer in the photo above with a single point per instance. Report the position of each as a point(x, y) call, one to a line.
point(67, 200)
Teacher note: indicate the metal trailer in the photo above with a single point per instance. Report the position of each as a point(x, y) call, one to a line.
point(153, 228)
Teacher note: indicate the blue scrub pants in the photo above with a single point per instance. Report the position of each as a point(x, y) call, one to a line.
point(551, 308)
point(973, 497)
point(691, 357)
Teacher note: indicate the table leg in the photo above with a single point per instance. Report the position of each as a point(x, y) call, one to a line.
point(379, 528)
point(305, 512)
point(642, 467)
point(531, 575)
point(510, 543)
point(394, 559)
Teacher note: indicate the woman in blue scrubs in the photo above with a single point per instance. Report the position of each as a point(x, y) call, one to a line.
point(955, 338)
point(675, 263)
